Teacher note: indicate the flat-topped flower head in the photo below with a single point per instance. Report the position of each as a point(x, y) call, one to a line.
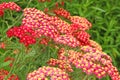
point(83, 23)
point(40, 22)
point(82, 36)
point(10, 5)
point(62, 64)
point(95, 45)
point(62, 12)
point(67, 40)
point(52, 72)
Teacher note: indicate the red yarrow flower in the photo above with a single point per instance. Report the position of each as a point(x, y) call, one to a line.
point(82, 22)
point(82, 36)
point(26, 35)
point(10, 5)
point(62, 12)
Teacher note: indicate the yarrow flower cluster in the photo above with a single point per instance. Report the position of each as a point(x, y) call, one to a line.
point(40, 22)
point(67, 40)
point(54, 27)
point(62, 64)
point(62, 12)
point(65, 59)
point(82, 36)
point(98, 63)
point(62, 26)
point(25, 34)
point(9, 5)
point(91, 61)
point(83, 23)
point(37, 24)
point(4, 73)
point(43, 72)
point(95, 45)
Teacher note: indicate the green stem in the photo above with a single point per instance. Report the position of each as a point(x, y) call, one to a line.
point(85, 78)
point(12, 68)
point(20, 16)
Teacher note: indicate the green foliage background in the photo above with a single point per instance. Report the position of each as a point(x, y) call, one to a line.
point(103, 14)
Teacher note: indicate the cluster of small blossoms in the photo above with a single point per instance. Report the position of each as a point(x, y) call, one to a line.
point(82, 36)
point(4, 73)
point(43, 72)
point(98, 63)
point(65, 58)
point(69, 55)
point(53, 27)
point(40, 22)
point(113, 72)
point(62, 12)
point(25, 34)
point(95, 45)
point(62, 64)
point(67, 40)
point(92, 61)
point(83, 23)
point(44, 41)
point(9, 5)
point(62, 26)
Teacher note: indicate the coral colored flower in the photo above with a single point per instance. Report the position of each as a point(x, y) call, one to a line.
point(43, 72)
point(67, 40)
point(95, 45)
point(40, 22)
point(82, 22)
point(62, 12)
point(82, 37)
point(62, 64)
point(44, 41)
point(62, 26)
